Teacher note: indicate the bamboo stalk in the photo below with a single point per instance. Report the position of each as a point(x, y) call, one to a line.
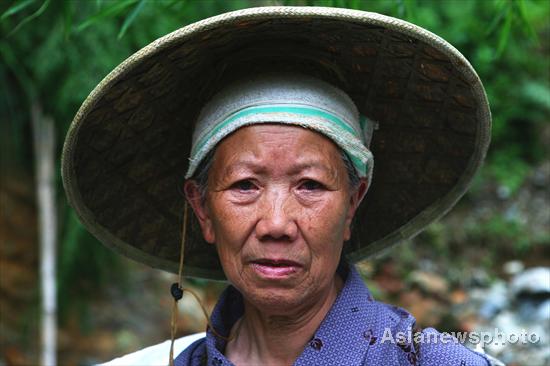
point(44, 149)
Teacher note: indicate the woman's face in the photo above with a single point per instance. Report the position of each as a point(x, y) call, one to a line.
point(278, 209)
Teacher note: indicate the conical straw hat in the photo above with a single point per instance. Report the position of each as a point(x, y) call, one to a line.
point(127, 149)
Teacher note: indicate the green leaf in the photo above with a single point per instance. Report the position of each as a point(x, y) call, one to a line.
point(527, 27)
point(496, 21)
point(410, 10)
point(537, 92)
point(30, 17)
point(170, 3)
point(67, 18)
point(16, 8)
point(505, 33)
point(130, 18)
point(354, 4)
point(9, 58)
point(112, 10)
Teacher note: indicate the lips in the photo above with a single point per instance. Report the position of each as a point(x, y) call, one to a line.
point(275, 268)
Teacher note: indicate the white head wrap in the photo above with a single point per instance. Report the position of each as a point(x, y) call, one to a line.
point(286, 98)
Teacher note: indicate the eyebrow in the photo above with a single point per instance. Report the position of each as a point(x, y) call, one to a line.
point(297, 168)
point(312, 165)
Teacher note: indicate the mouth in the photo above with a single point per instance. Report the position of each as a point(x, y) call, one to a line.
point(275, 268)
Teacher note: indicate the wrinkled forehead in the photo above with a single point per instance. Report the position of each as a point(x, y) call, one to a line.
point(279, 149)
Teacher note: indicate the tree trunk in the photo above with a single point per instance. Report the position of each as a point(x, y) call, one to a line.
point(44, 149)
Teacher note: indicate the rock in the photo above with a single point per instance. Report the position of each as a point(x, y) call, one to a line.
point(388, 279)
point(534, 311)
point(458, 296)
point(365, 268)
point(503, 192)
point(513, 267)
point(430, 282)
point(479, 278)
point(532, 281)
point(541, 177)
point(543, 312)
point(496, 299)
point(426, 310)
point(530, 348)
point(531, 293)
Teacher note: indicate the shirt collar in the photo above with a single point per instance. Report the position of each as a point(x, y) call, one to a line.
point(350, 309)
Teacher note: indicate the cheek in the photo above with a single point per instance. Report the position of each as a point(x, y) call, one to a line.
point(232, 225)
point(229, 261)
point(323, 229)
point(324, 222)
point(230, 222)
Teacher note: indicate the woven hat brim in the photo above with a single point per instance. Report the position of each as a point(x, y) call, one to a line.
point(126, 151)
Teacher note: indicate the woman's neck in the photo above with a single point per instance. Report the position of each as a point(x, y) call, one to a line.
point(268, 339)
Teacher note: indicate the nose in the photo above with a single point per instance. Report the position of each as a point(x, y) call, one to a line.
point(277, 221)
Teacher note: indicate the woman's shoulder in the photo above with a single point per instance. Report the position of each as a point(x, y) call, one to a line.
point(159, 353)
point(439, 348)
point(399, 338)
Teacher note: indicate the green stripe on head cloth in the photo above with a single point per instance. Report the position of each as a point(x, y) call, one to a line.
point(286, 98)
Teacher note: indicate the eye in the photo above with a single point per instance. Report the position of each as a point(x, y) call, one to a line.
point(243, 185)
point(311, 185)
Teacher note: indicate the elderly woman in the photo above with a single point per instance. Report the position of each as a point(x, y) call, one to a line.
point(277, 167)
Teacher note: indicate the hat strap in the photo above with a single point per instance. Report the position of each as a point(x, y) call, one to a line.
point(177, 291)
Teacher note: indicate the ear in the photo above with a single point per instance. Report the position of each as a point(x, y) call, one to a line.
point(355, 199)
point(193, 195)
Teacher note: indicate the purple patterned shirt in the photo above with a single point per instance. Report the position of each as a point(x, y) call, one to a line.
point(356, 331)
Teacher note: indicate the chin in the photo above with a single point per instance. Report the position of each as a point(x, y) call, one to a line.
point(276, 302)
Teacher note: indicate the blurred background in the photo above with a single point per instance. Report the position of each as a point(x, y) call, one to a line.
point(485, 265)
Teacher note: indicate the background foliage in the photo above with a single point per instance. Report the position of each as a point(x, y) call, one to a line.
point(54, 52)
